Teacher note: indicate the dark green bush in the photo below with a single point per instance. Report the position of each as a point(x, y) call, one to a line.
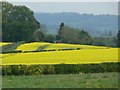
point(59, 69)
point(48, 69)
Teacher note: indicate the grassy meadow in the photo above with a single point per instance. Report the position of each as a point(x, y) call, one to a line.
point(95, 80)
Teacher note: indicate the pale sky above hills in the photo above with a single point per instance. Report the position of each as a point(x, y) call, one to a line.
point(78, 7)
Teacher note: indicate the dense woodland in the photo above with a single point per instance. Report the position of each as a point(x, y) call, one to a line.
point(19, 24)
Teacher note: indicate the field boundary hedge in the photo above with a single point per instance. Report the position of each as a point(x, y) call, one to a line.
point(10, 48)
point(59, 69)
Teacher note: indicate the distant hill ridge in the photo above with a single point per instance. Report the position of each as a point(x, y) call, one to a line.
point(94, 24)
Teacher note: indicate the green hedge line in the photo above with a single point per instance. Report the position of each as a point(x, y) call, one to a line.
point(10, 48)
point(59, 69)
point(20, 51)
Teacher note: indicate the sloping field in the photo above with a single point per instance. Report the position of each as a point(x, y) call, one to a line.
point(38, 46)
point(67, 57)
point(11, 47)
point(4, 43)
point(72, 46)
point(31, 46)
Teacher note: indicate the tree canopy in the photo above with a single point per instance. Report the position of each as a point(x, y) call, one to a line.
point(118, 36)
point(67, 34)
point(18, 23)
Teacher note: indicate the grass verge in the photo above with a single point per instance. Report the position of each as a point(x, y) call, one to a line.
point(93, 80)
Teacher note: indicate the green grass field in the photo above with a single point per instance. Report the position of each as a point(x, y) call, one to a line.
point(95, 80)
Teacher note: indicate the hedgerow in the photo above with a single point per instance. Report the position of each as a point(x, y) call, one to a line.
point(59, 69)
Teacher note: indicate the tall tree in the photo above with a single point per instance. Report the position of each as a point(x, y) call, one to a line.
point(118, 41)
point(58, 37)
point(18, 23)
point(0, 21)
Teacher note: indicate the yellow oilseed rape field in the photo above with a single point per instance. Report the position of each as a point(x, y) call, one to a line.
point(72, 46)
point(87, 56)
point(4, 43)
point(31, 46)
point(50, 46)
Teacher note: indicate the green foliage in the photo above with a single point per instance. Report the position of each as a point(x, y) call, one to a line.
point(118, 41)
point(98, 41)
point(18, 23)
point(49, 38)
point(84, 37)
point(71, 35)
point(59, 69)
point(104, 41)
point(10, 48)
point(38, 35)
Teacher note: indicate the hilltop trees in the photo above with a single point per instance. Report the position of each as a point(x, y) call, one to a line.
point(118, 41)
point(50, 38)
point(18, 23)
point(0, 22)
point(38, 35)
point(98, 41)
point(59, 36)
point(84, 37)
point(71, 35)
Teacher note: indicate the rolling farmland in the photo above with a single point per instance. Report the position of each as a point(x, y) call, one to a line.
point(4, 43)
point(85, 55)
point(72, 46)
point(31, 46)
point(31, 56)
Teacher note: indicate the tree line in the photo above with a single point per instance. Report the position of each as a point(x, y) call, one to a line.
point(19, 24)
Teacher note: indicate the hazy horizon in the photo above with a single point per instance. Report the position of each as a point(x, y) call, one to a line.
point(95, 8)
point(74, 13)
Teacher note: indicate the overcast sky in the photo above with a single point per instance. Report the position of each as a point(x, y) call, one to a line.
point(78, 7)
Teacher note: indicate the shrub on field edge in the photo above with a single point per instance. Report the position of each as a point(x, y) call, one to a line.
point(59, 69)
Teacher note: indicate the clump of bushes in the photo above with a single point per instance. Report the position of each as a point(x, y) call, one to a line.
point(59, 69)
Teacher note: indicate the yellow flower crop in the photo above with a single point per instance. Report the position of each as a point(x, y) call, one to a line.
point(4, 43)
point(72, 46)
point(87, 56)
point(30, 46)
